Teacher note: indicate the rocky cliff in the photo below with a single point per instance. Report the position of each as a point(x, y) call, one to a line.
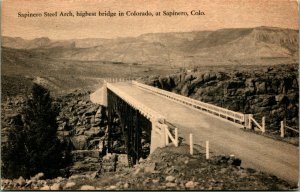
point(270, 91)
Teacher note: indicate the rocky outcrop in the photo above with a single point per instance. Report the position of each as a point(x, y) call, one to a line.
point(82, 121)
point(84, 125)
point(10, 112)
point(82, 128)
point(270, 91)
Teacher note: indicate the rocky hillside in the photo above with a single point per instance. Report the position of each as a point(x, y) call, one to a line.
point(260, 45)
point(14, 85)
point(82, 127)
point(81, 120)
point(169, 168)
point(267, 91)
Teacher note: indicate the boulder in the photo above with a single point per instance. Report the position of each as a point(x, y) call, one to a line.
point(56, 187)
point(112, 187)
point(99, 111)
point(295, 84)
point(73, 120)
point(175, 78)
point(166, 83)
point(221, 76)
point(70, 184)
point(45, 188)
point(87, 187)
point(64, 133)
point(79, 142)
point(185, 90)
point(81, 112)
point(170, 178)
point(92, 120)
point(169, 184)
point(197, 81)
point(21, 181)
point(249, 91)
point(126, 185)
point(260, 87)
point(91, 111)
point(281, 99)
point(80, 130)
point(188, 77)
point(94, 132)
point(206, 77)
point(37, 176)
point(138, 170)
point(28, 183)
point(190, 184)
point(150, 168)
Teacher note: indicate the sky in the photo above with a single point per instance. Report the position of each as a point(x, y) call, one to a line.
point(218, 14)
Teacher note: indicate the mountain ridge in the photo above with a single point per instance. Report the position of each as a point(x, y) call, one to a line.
point(244, 45)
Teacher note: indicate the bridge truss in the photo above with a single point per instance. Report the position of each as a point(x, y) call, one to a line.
point(128, 123)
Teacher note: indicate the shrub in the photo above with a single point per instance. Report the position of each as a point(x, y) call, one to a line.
point(32, 145)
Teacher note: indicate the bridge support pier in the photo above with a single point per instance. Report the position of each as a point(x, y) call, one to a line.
point(104, 94)
point(248, 123)
point(157, 137)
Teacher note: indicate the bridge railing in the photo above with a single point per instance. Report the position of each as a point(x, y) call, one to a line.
point(146, 111)
point(283, 127)
point(165, 131)
point(250, 121)
point(221, 112)
point(115, 80)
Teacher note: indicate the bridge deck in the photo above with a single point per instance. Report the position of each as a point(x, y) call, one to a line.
point(256, 151)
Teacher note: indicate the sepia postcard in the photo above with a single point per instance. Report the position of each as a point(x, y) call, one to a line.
point(149, 95)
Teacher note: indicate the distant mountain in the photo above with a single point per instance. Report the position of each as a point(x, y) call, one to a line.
point(265, 45)
point(252, 42)
point(37, 43)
